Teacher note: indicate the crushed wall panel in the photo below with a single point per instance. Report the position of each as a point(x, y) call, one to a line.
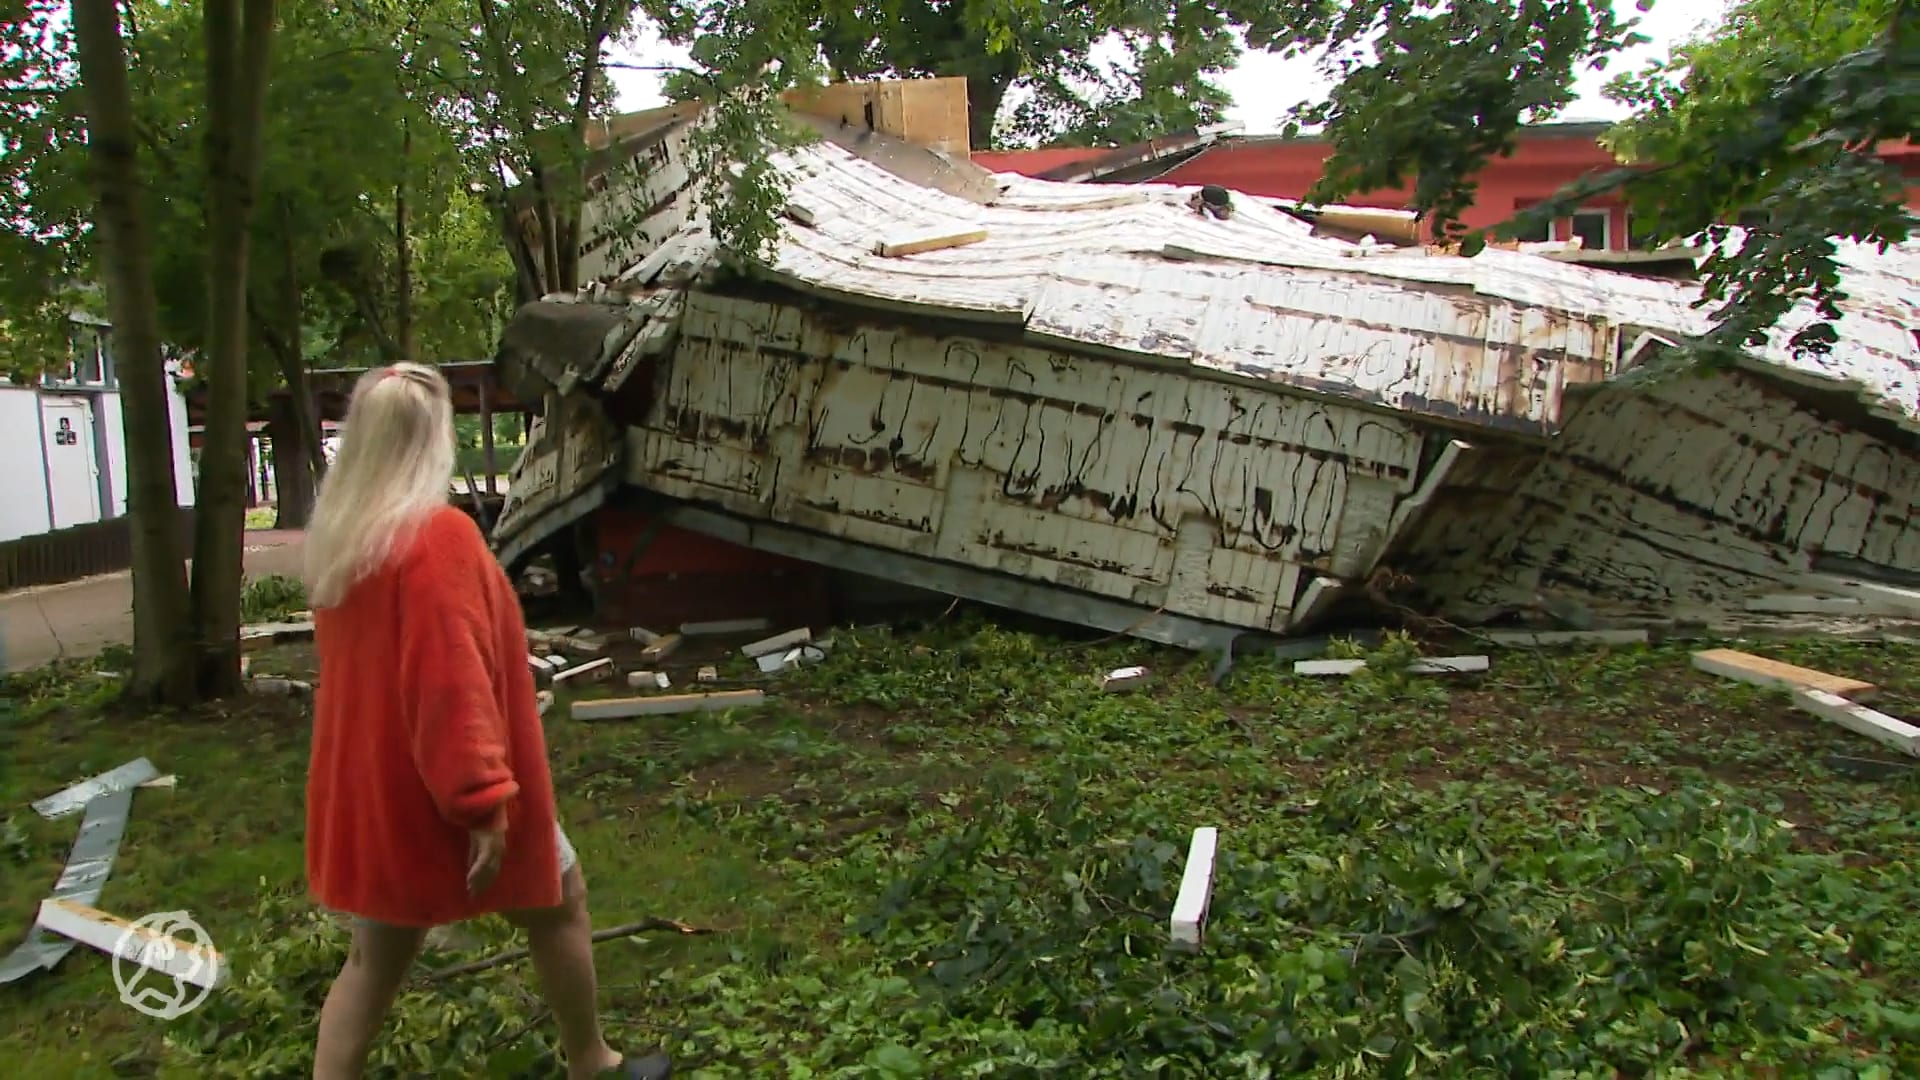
point(1685, 494)
point(1097, 475)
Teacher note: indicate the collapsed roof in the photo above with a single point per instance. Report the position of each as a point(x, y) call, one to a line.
point(1189, 415)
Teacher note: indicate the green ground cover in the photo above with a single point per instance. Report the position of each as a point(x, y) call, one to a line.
point(950, 854)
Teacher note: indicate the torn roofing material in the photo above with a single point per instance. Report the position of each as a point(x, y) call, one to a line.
point(1134, 269)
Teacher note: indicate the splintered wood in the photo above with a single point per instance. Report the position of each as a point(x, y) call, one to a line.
point(1760, 671)
point(1817, 692)
point(200, 965)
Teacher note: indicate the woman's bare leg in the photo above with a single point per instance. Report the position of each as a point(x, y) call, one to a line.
point(357, 1004)
point(561, 941)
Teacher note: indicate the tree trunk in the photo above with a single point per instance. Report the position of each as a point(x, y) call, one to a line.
point(984, 95)
point(292, 464)
point(298, 458)
point(293, 362)
point(567, 219)
point(403, 254)
point(237, 63)
point(162, 657)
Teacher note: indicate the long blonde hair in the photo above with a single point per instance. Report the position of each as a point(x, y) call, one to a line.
point(394, 468)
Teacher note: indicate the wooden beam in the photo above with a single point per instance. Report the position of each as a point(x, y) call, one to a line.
point(924, 240)
point(666, 704)
point(1760, 671)
point(200, 965)
point(1189, 920)
point(1877, 726)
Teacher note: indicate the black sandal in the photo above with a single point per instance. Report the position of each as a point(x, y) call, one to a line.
point(655, 1066)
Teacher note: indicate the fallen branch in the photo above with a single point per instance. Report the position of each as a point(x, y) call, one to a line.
point(609, 934)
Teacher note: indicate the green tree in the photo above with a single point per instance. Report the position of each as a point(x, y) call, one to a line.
point(1037, 53)
point(1778, 112)
point(1776, 116)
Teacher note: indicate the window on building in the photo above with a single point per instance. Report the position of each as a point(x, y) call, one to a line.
point(86, 358)
point(1592, 228)
point(1640, 235)
point(1538, 233)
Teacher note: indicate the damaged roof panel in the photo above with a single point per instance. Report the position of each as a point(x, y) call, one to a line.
point(1046, 240)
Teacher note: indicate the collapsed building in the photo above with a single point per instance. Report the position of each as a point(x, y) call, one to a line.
point(1184, 415)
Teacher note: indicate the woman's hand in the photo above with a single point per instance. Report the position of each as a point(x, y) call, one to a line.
point(485, 850)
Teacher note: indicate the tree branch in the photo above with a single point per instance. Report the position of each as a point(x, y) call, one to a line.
point(646, 925)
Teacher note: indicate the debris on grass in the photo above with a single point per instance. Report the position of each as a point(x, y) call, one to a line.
point(275, 686)
point(1760, 671)
point(722, 627)
point(1437, 665)
point(1545, 639)
point(1123, 679)
point(645, 680)
point(542, 701)
point(707, 674)
point(775, 662)
point(642, 635)
point(591, 671)
point(661, 649)
point(778, 643)
point(611, 933)
point(262, 635)
point(624, 708)
point(582, 645)
point(1189, 919)
point(108, 799)
point(201, 965)
point(1860, 719)
point(81, 795)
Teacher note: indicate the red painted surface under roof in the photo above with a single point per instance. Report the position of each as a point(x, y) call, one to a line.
point(1032, 162)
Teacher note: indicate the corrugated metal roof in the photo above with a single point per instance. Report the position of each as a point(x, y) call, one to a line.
point(1491, 339)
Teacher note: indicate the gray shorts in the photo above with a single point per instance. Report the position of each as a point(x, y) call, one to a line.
point(569, 858)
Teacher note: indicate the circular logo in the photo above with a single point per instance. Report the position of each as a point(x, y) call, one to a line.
point(165, 965)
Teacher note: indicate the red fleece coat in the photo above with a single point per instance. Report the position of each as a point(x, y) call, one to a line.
point(425, 726)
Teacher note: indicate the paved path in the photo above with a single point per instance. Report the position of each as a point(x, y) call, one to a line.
point(79, 618)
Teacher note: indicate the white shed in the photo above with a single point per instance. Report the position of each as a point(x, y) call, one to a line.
point(63, 450)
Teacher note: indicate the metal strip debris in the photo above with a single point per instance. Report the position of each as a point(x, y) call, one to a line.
point(84, 877)
point(125, 777)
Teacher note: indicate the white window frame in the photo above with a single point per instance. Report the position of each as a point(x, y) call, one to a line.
point(1606, 226)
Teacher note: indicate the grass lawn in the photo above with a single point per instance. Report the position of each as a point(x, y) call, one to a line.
point(951, 855)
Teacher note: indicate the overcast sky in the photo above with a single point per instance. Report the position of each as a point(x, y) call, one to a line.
point(1265, 87)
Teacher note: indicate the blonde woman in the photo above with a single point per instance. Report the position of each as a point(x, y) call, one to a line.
point(428, 795)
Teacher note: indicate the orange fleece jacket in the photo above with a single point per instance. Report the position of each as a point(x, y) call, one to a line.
point(425, 726)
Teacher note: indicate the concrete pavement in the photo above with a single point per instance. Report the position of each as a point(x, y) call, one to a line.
point(79, 618)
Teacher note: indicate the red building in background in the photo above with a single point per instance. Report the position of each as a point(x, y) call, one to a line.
point(1547, 157)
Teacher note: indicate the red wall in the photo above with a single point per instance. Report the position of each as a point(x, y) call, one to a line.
point(1542, 163)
